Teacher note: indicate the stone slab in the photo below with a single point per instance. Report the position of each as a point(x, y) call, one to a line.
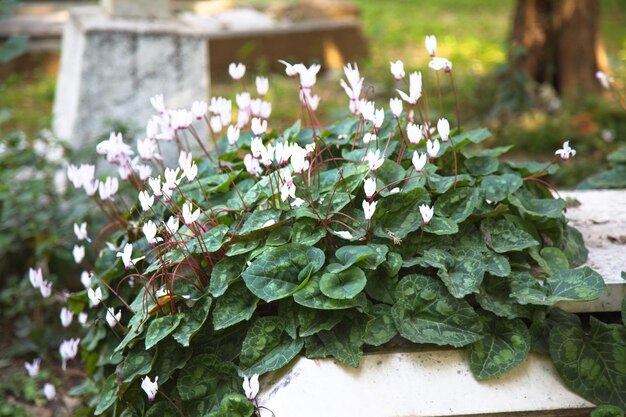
point(412, 384)
point(141, 9)
point(601, 218)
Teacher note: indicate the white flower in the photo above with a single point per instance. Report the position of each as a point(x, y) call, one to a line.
point(374, 161)
point(396, 106)
point(78, 253)
point(243, 100)
point(155, 184)
point(267, 155)
point(419, 160)
point(172, 225)
point(566, 152)
point(432, 147)
point(415, 88)
point(438, 63)
point(181, 119)
point(414, 133)
point(282, 152)
point(108, 188)
point(236, 71)
point(262, 85)
point(258, 126)
point(369, 137)
point(443, 127)
point(68, 350)
point(66, 317)
point(85, 279)
point(79, 176)
point(190, 169)
point(150, 230)
point(45, 289)
point(290, 70)
point(251, 386)
point(397, 69)
point(49, 391)
point(150, 387)
point(171, 179)
point(426, 212)
point(91, 187)
point(298, 159)
point(605, 80)
point(32, 368)
point(112, 317)
point(199, 109)
point(288, 189)
point(146, 200)
point(268, 223)
point(82, 318)
point(36, 277)
point(81, 232)
point(157, 103)
point(215, 123)
point(297, 202)
point(369, 209)
point(370, 187)
point(308, 76)
point(431, 45)
point(252, 165)
point(344, 234)
point(147, 149)
point(126, 256)
point(94, 296)
point(233, 135)
point(190, 217)
point(256, 147)
point(379, 118)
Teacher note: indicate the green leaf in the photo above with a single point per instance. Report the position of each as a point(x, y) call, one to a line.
point(611, 178)
point(504, 236)
point(465, 273)
point(207, 377)
point(426, 313)
point(237, 304)
point(499, 187)
point(307, 232)
point(343, 285)
point(497, 265)
point(399, 213)
point(138, 362)
point(537, 208)
point(441, 226)
point(312, 321)
point(161, 409)
point(345, 340)
point(108, 395)
point(211, 240)
point(240, 248)
point(528, 168)
point(505, 345)
point(495, 296)
point(13, 47)
point(552, 260)
point(607, 411)
point(267, 346)
point(257, 220)
point(593, 366)
point(224, 273)
point(573, 246)
point(277, 274)
point(234, 405)
point(170, 357)
point(160, 328)
point(192, 321)
point(624, 311)
point(278, 237)
point(311, 296)
point(582, 284)
point(365, 256)
point(381, 329)
point(458, 204)
point(481, 165)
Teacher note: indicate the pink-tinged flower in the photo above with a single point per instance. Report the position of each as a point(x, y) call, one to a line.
point(171, 179)
point(112, 318)
point(81, 231)
point(152, 128)
point(85, 279)
point(604, 79)
point(427, 213)
point(108, 188)
point(419, 160)
point(265, 109)
point(147, 149)
point(251, 387)
point(150, 387)
point(432, 147)
point(79, 176)
point(91, 187)
point(438, 64)
point(370, 187)
point(190, 169)
point(431, 45)
point(78, 253)
point(258, 126)
point(68, 350)
point(45, 289)
point(355, 82)
point(298, 158)
point(310, 101)
point(190, 217)
point(232, 134)
point(397, 69)
point(395, 104)
point(243, 100)
point(199, 109)
point(369, 209)
point(290, 70)
point(66, 317)
point(414, 133)
point(415, 88)
point(236, 71)
point(49, 391)
point(288, 189)
point(252, 165)
point(95, 296)
point(155, 184)
point(374, 161)
point(181, 119)
point(566, 152)
point(126, 256)
point(172, 225)
point(36, 277)
point(262, 85)
point(267, 155)
point(114, 148)
point(149, 230)
point(443, 127)
point(308, 76)
point(33, 368)
point(146, 200)
point(158, 103)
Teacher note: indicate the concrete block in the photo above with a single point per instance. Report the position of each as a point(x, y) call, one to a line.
point(111, 67)
point(142, 9)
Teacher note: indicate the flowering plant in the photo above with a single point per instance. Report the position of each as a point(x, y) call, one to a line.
point(315, 241)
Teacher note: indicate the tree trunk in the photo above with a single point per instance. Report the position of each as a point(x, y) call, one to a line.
point(558, 42)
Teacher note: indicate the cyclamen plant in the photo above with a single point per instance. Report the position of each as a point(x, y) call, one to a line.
point(315, 241)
